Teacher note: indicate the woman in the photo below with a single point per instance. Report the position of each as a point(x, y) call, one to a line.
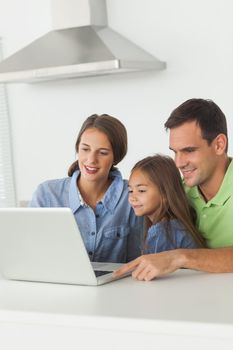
point(96, 192)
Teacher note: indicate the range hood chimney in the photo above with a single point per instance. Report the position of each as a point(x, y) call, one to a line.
point(80, 44)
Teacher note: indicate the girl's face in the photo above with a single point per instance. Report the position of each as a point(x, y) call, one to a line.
point(144, 195)
point(95, 155)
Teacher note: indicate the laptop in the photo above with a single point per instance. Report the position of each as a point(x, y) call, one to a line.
point(45, 245)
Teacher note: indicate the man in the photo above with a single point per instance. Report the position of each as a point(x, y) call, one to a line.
point(198, 138)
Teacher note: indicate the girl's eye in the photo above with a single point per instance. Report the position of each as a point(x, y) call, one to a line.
point(130, 191)
point(141, 191)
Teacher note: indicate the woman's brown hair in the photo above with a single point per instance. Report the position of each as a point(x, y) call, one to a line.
point(115, 131)
point(162, 171)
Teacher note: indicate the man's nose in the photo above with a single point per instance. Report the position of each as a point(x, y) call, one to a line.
point(180, 160)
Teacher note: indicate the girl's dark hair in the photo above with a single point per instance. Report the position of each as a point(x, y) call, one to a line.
point(208, 116)
point(113, 129)
point(162, 171)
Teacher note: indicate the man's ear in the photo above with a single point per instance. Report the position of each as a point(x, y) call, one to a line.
point(220, 144)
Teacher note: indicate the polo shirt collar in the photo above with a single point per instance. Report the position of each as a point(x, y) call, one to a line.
point(226, 188)
point(225, 191)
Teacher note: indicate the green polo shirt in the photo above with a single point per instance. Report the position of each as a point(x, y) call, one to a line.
point(215, 218)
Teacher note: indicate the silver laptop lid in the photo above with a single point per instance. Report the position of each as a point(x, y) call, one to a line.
point(43, 244)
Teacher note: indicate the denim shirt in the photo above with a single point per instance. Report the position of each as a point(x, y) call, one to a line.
point(158, 241)
point(111, 233)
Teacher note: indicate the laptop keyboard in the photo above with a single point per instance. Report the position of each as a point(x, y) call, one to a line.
point(101, 273)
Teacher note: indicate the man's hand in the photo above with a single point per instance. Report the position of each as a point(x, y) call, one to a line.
point(150, 266)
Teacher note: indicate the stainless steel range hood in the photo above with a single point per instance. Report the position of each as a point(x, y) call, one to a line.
point(80, 44)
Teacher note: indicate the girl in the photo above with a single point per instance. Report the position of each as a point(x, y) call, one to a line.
point(96, 192)
point(156, 192)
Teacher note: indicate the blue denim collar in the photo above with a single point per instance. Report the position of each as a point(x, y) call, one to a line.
point(110, 198)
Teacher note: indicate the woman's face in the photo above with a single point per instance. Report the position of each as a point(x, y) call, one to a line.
point(144, 195)
point(95, 155)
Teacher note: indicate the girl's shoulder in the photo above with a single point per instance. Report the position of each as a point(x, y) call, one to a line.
point(173, 223)
point(176, 224)
point(167, 235)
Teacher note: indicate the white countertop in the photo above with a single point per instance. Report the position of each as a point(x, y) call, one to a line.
point(186, 302)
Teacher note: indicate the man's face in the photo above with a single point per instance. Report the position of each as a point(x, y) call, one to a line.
point(195, 158)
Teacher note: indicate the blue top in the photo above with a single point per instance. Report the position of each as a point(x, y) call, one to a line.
point(112, 232)
point(158, 241)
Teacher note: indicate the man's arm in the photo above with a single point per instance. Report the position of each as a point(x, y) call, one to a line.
point(150, 266)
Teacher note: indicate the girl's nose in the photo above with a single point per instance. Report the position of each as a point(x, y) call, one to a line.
point(132, 197)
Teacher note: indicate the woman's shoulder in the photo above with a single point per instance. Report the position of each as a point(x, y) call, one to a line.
point(54, 184)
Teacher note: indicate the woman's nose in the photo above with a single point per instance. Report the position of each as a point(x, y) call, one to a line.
point(92, 157)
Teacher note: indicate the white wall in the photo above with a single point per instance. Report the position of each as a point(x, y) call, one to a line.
point(194, 37)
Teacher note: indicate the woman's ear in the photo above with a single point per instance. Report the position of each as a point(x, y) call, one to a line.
point(220, 144)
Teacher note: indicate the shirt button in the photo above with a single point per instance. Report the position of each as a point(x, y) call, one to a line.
point(90, 253)
point(204, 216)
point(93, 233)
